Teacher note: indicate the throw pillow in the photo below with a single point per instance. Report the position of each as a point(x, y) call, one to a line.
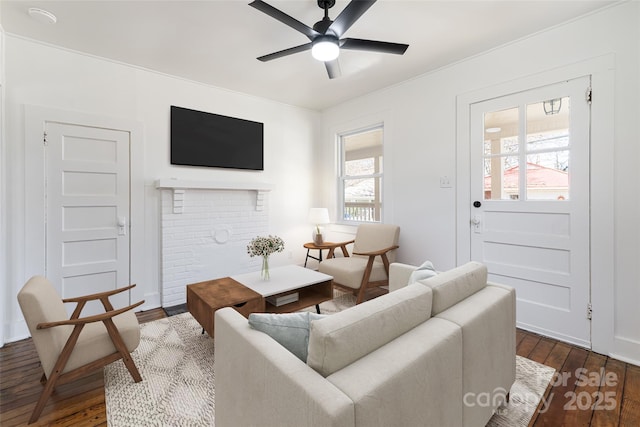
point(425, 271)
point(291, 330)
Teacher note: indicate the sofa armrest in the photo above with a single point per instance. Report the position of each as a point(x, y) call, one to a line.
point(488, 322)
point(399, 275)
point(259, 382)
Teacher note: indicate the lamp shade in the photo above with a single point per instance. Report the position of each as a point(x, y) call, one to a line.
point(319, 216)
point(325, 48)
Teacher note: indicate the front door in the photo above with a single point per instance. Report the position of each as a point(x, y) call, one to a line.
point(530, 204)
point(87, 211)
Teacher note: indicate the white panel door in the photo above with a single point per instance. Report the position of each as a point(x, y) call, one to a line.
point(87, 211)
point(530, 204)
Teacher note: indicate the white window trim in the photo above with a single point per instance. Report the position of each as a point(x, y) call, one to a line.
point(341, 178)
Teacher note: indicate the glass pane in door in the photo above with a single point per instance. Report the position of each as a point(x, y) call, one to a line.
point(548, 149)
point(548, 183)
point(501, 179)
point(501, 159)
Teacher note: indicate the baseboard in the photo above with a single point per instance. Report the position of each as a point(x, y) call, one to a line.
point(151, 301)
point(18, 330)
point(551, 334)
point(626, 350)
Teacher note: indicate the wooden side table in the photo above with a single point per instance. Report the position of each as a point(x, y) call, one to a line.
point(204, 298)
point(326, 245)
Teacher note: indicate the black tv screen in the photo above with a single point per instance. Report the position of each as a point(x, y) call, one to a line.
point(212, 140)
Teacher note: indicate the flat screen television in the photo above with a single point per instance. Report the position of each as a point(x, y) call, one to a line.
point(212, 140)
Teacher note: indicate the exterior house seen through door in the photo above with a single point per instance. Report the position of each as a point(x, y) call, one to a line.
point(87, 211)
point(530, 203)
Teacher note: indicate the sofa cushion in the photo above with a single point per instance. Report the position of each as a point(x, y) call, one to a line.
point(291, 330)
point(425, 271)
point(342, 338)
point(414, 380)
point(348, 271)
point(454, 285)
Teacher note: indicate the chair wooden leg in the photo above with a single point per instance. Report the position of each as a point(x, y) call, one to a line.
point(365, 280)
point(118, 342)
point(361, 294)
point(55, 373)
point(42, 400)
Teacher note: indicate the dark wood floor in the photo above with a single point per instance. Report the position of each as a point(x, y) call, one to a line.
point(590, 390)
point(571, 401)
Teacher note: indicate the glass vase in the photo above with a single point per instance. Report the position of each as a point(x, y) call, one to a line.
point(264, 273)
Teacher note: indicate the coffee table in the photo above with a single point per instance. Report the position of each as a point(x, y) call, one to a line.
point(204, 298)
point(312, 287)
point(246, 293)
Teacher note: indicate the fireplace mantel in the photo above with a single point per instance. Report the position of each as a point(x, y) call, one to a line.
point(179, 186)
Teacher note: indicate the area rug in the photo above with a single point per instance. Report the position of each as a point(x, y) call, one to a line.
point(341, 300)
point(176, 364)
point(177, 389)
point(532, 380)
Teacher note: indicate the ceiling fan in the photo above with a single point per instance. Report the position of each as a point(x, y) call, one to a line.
point(325, 35)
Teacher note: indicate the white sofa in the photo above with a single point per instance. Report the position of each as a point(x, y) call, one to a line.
point(418, 356)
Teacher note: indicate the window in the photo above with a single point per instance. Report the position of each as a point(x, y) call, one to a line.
point(360, 175)
point(526, 152)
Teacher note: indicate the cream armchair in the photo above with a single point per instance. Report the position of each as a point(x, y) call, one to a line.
point(374, 248)
point(71, 348)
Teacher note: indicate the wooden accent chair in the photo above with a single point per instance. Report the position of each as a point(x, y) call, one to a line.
point(71, 348)
point(373, 250)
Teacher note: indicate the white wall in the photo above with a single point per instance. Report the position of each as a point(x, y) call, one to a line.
point(420, 146)
point(46, 76)
point(3, 204)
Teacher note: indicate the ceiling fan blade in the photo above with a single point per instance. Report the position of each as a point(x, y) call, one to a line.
point(333, 69)
point(373, 46)
point(284, 18)
point(285, 52)
point(349, 16)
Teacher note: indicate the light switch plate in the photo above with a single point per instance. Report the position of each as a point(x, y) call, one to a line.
point(445, 182)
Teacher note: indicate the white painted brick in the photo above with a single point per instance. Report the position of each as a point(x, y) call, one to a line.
point(190, 252)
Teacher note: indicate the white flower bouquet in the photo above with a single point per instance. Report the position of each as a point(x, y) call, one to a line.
point(265, 246)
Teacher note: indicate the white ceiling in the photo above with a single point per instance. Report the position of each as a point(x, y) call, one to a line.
point(217, 41)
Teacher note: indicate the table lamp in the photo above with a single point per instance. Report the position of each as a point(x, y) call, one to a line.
point(318, 216)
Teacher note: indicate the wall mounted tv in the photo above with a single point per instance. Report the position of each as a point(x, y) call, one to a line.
point(212, 140)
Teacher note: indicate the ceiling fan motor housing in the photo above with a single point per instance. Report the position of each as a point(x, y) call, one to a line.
point(323, 26)
point(326, 4)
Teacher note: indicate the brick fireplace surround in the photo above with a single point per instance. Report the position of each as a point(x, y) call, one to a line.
point(205, 229)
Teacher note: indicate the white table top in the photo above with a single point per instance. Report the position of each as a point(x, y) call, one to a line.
point(283, 279)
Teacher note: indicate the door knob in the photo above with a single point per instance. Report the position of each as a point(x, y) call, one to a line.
point(477, 204)
point(475, 221)
point(122, 226)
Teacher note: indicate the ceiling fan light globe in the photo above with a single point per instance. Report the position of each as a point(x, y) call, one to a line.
point(325, 50)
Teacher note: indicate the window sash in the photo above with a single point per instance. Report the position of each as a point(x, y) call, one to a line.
point(360, 211)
